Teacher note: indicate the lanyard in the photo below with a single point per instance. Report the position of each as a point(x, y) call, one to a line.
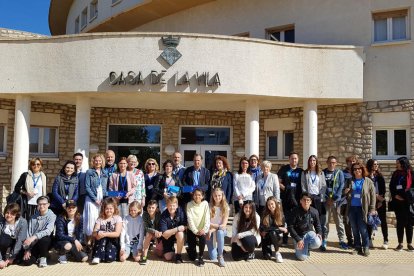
point(313, 179)
point(122, 180)
point(264, 179)
point(336, 172)
point(35, 180)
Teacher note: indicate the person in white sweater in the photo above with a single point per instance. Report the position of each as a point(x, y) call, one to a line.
point(245, 233)
point(132, 234)
point(198, 218)
point(267, 185)
point(243, 185)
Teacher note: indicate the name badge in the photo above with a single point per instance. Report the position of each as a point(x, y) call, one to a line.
point(357, 195)
point(399, 187)
point(150, 187)
point(293, 185)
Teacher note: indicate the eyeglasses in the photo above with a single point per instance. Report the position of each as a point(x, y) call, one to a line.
point(356, 169)
point(36, 165)
point(151, 164)
point(253, 160)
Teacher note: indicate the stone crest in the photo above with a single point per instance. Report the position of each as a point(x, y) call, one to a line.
point(171, 54)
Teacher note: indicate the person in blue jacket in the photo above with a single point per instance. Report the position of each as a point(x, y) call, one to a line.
point(65, 187)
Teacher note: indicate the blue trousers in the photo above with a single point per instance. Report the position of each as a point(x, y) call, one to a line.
point(359, 227)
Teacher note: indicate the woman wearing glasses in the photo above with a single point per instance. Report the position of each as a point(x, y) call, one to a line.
point(360, 192)
point(31, 185)
point(151, 175)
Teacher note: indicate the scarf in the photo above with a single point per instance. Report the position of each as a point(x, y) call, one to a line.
point(217, 178)
point(72, 181)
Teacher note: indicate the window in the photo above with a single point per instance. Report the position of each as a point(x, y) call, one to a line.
point(390, 143)
point(391, 26)
point(43, 141)
point(279, 144)
point(84, 18)
point(282, 34)
point(77, 25)
point(144, 141)
point(205, 136)
point(390, 135)
point(93, 10)
point(2, 139)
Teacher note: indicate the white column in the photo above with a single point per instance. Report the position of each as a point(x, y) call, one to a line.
point(252, 128)
point(82, 128)
point(21, 137)
point(310, 130)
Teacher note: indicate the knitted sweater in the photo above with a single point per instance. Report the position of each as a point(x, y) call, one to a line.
point(198, 216)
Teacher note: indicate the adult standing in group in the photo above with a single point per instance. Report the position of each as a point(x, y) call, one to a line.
point(196, 176)
point(254, 167)
point(334, 187)
point(244, 185)
point(350, 160)
point(65, 187)
point(179, 169)
point(221, 178)
point(31, 185)
point(78, 159)
point(313, 182)
point(401, 182)
point(381, 205)
point(96, 182)
point(125, 184)
point(110, 165)
point(151, 176)
point(140, 194)
point(290, 187)
point(267, 185)
point(360, 193)
point(167, 185)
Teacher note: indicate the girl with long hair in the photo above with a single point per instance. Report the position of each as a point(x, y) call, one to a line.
point(243, 185)
point(132, 235)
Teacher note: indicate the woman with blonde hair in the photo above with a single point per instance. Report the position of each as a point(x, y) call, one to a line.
point(151, 175)
point(140, 194)
point(31, 185)
point(267, 185)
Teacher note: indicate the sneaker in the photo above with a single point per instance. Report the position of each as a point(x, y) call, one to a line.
point(350, 244)
point(251, 256)
point(178, 259)
point(143, 261)
point(366, 252)
point(343, 245)
point(410, 248)
point(200, 262)
point(385, 245)
point(399, 248)
point(323, 246)
point(62, 259)
point(279, 258)
point(356, 251)
point(221, 261)
point(96, 260)
point(43, 262)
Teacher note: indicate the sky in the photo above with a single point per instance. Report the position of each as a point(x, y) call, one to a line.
point(25, 15)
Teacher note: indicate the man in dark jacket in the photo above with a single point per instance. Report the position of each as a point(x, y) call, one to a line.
point(304, 227)
point(195, 176)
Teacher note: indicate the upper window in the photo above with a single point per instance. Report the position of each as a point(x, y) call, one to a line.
point(77, 25)
point(205, 136)
point(391, 26)
point(144, 141)
point(93, 10)
point(43, 141)
point(84, 18)
point(279, 144)
point(2, 139)
point(283, 34)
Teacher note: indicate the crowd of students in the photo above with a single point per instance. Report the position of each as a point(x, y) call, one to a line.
point(113, 212)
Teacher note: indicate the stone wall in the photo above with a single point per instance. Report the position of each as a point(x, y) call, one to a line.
point(170, 120)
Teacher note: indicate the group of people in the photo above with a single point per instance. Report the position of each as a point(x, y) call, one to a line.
point(115, 211)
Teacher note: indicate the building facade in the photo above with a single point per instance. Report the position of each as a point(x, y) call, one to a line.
point(229, 77)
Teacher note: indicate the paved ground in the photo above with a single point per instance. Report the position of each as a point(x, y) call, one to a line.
point(332, 262)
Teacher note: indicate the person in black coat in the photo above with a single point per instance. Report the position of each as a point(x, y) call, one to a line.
point(166, 185)
point(221, 178)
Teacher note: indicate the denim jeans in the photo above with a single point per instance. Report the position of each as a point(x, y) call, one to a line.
point(359, 227)
point(311, 241)
point(212, 251)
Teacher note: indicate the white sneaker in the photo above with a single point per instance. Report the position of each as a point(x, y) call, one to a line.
point(43, 262)
point(385, 245)
point(279, 258)
point(96, 260)
point(62, 259)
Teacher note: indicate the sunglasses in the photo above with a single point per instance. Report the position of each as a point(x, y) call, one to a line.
point(151, 164)
point(36, 165)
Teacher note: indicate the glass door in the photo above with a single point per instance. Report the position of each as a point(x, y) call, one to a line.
point(208, 152)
